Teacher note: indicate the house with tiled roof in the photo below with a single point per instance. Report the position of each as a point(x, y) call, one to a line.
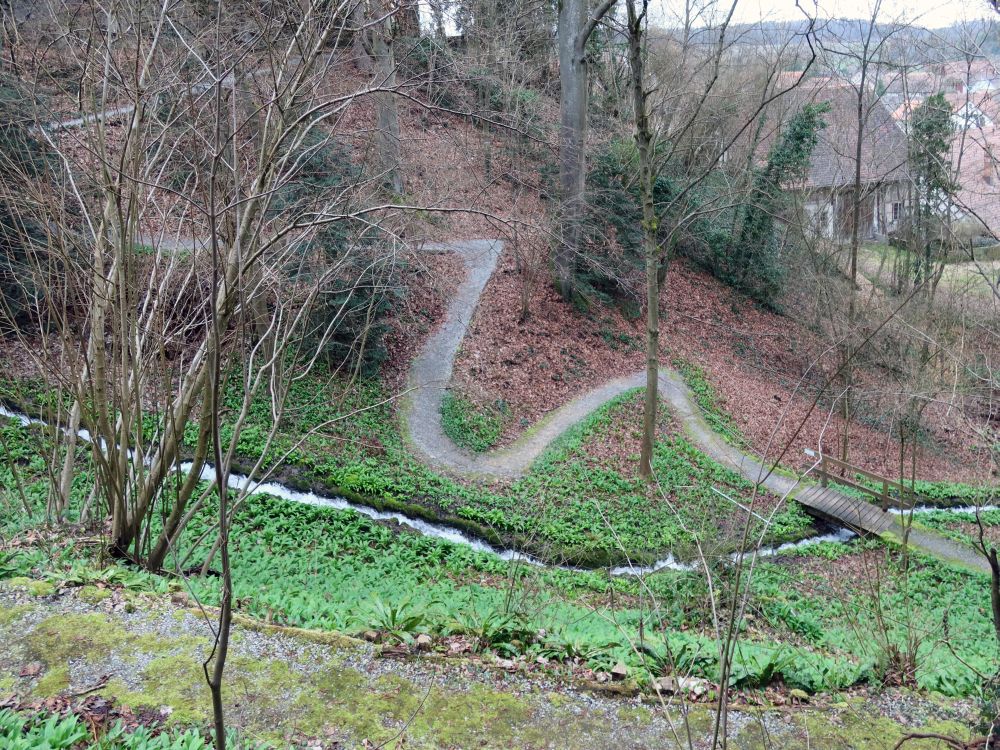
point(959, 76)
point(828, 187)
point(974, 158)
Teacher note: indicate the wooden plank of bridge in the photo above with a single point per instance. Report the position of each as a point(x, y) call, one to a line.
point(851, 511)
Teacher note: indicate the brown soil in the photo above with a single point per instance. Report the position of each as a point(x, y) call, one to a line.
point(766, 369)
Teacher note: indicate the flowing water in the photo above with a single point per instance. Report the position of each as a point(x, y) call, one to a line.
point(455, 536)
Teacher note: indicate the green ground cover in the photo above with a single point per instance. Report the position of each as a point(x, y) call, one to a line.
point(323, 568)
point(962, 527)
point(23, 731)
point(568, 507)
point(470, 426)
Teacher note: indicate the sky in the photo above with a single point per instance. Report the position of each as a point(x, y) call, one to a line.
point(929, 13)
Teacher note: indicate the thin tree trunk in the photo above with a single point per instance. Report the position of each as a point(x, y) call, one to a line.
point(644, 144)
point(176, 521)
point(221, 290)
point(856, 197)
point(69, 460)
point(387, 125)
point(9, 37)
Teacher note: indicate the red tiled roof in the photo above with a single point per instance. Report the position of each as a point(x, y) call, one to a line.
point(975, 155)
point(883, 146)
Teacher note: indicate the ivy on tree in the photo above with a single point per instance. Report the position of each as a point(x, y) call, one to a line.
point(931, 133)
point(752, 263)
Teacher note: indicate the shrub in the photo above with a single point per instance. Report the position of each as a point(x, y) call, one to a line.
point(613, 262)
point(349, 317)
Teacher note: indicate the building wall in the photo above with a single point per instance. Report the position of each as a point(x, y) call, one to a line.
point(830, 213)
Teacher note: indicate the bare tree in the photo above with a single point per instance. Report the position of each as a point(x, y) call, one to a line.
point(650, 241)
point(178, 243)
point(871, 78)
point(576, 24)
point(380, 43)
point(682, 139)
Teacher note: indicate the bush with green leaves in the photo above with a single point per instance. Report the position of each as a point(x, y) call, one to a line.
point(753, 261)
point(731, 234)
point(607, 271)
point(348, 319)
point(400, 621)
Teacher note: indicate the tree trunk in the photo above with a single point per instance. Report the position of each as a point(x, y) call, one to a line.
point(62, 494)
point(217, 659)
point(847, 352)
point(387, 125)
point(644, 144)
point(408, 19)
point(572, 137)
point(575, 28)
point(359, 49)
point(176, 521)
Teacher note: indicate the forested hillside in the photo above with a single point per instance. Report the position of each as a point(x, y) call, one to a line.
point(497, 373)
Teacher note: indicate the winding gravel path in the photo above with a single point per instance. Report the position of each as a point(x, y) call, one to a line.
point(430, 374)
point(431, 370)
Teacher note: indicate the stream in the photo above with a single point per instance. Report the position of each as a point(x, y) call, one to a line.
point(454, 536)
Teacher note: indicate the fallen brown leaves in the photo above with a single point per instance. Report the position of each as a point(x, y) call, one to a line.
point(540, 363)
point(97, 713)
point(766, 369)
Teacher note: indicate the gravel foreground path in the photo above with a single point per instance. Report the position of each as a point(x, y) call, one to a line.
point(431, 371)
point(323, 691)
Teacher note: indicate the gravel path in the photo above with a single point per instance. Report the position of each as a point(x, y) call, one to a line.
point(322, 691)
point(430, 374)
point(315, 690)
point(78, 122)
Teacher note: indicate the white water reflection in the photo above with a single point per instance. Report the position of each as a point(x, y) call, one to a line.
point(455, 536)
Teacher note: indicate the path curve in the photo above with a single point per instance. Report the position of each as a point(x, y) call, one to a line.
point(431, 371)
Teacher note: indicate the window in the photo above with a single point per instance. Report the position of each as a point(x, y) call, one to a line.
point(897, 211)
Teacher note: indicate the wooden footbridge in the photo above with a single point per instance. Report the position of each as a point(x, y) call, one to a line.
point(866, 517)
point(857, 513)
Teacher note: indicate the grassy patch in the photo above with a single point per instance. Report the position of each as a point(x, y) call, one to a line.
point(54, 732)
point(321, 568)
point(471, 426)
point(707, 399)
point(924, 604)
point(326, 569)
point(569, 506)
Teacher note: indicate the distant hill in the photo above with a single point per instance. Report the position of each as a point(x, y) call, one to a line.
point(853, 30)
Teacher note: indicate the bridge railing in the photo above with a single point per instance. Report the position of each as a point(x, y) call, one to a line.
point(889, 492)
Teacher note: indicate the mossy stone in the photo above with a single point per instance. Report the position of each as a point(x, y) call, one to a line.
point(93, 594)
point(32, 586)
point(53, 682)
